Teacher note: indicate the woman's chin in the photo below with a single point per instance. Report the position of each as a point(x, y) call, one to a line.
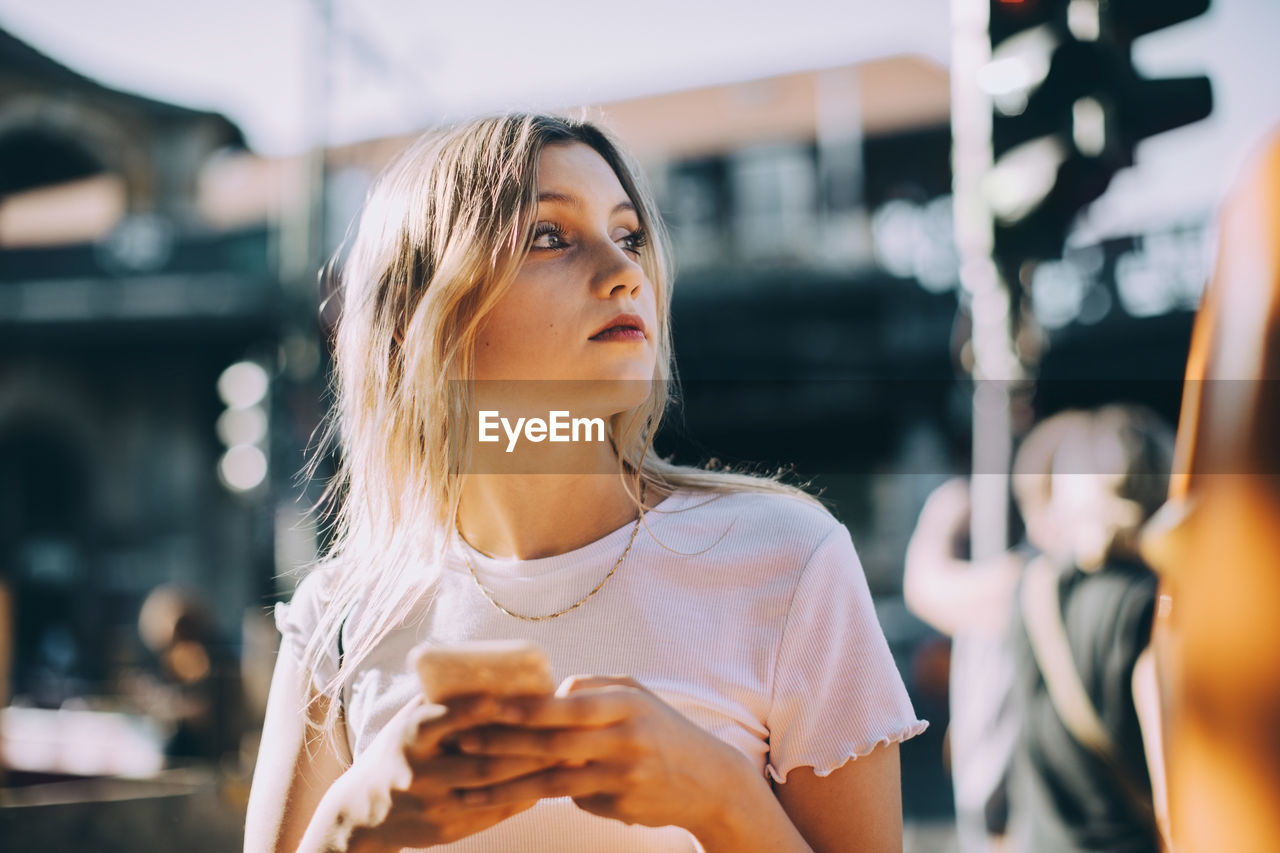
point(607, 397)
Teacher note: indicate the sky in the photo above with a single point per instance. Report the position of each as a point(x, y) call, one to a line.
point(397, 65)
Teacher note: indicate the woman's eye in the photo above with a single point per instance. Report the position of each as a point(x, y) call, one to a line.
point(548, 236)
point(634, 241)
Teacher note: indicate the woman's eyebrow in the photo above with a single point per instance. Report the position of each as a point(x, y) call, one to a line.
point(575, 202)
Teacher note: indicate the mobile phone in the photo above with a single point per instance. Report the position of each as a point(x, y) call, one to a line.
point(492, 667)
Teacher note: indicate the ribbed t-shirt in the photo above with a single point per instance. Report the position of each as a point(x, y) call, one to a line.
point(749, 613)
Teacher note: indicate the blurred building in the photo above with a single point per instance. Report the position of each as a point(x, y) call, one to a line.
point(811, 219)
point(786, 170)
point(818, 323)
point(121, 303)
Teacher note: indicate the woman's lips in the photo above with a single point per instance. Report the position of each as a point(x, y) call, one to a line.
point(621, 334)
point(620, 321)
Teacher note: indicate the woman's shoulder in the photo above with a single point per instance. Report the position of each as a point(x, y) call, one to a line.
point(316, 582)
point(771, 519)
point(299, 621)
point(786, 507)
point(312, 594)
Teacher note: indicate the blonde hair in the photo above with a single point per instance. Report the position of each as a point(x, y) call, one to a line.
point(443, 232)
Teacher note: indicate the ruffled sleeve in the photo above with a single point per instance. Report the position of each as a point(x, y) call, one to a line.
point(297, 621)
point(837, 693)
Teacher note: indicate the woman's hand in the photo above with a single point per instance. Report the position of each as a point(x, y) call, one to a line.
point(623, 753)
point(951, 593)
point(409, 788)
point(945, 515)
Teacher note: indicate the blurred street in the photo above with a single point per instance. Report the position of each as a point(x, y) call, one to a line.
point(901, 246)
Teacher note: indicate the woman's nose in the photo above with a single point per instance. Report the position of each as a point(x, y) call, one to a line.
point(614, 269)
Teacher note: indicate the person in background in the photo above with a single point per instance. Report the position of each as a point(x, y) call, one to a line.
point(199, 692)
point(967, 601)
point(1085, 760)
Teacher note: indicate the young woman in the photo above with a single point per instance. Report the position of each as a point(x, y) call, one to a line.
point(724, 682)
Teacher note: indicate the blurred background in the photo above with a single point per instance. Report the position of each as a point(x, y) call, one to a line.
point(173, 176)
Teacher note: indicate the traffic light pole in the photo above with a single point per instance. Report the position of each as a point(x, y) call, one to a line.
point(981, 670)
point(997, 371)
point(1046, 106)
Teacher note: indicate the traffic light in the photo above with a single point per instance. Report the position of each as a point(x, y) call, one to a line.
point(1069, 109)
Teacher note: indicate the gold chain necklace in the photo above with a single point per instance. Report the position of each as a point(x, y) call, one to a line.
point(489, 595)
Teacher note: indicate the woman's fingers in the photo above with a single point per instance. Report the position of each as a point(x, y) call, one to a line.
point(575, 683)
point(435, 723)
point(579, 709)
point(573, 744)
point(445, 772)
point(449, 820)
point(554, 782)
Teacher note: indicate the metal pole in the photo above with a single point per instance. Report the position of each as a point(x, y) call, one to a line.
point(996, 366)
point(981, 668)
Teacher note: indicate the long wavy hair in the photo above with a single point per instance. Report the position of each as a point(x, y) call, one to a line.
point(443, 232)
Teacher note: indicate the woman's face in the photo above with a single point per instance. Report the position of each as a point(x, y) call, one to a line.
point(563, 316)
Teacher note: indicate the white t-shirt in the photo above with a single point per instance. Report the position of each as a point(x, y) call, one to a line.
point(754, 621)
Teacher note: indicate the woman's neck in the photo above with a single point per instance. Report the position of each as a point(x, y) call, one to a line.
point(529, 516)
